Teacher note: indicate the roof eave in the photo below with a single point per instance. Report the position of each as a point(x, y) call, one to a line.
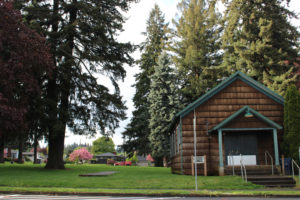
point(244, 109)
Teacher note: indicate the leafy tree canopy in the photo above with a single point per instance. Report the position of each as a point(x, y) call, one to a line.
point(83, 41)
point(103, 145)
point(24, 58)
point(260, 41)
point(164, 102)
point(292, 122)
point(196, 44)
point(137, 131)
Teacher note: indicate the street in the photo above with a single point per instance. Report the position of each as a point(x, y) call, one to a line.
point(48, 197)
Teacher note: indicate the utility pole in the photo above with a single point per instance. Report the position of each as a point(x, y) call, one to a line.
point(195, 151)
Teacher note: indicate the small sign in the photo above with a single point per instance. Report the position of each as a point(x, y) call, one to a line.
point(199, 159)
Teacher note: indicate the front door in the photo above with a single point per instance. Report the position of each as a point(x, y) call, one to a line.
point(244, 144)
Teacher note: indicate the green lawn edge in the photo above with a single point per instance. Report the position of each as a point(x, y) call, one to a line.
point(148, 192)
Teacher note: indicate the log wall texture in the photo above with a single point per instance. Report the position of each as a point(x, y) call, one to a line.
point(219, 107)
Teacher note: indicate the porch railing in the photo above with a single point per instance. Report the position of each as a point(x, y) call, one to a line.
point(243, 170)
point(232, 162)
point(267, 154)
point(294, 163)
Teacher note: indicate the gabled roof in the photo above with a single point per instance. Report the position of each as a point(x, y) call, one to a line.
point(238, 75)
point(108, 154)
point(244, 110)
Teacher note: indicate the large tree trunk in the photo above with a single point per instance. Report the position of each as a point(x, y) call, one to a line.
point(56, 150)
point(35, 144)
point(1, 149)
point(158, 162)
point(21, 141)
point(57, 135)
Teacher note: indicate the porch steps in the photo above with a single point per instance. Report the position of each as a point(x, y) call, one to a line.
point(262, 175)
point(273, 181)
point(252, 170)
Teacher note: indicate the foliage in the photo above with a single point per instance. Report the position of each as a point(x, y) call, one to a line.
point(110, 161)
point(103, 145)
point(82, 35)
point(134, 159)
point(137, 131)
point(260, 41)
point(196, 44)
point(164, 102)
point(24, 58)
point(292, 122)
point(80, 155)
point(71, 147)
point(42, 150)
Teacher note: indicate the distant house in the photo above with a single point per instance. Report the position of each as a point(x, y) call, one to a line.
point(142, 161)
point(238, 117)
point(30, 156)
point(11, 153)
point(102, 158)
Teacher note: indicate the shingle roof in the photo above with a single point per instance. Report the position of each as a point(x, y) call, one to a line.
point(238, 75)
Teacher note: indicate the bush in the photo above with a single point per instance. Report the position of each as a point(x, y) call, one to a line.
point(8, 159)
point(133, 159)
point(79, 155)
point(110, 161)
point(16, 160)
point(27, 159)
point(68, 161)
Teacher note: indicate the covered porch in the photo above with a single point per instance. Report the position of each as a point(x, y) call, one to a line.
point(246, 135)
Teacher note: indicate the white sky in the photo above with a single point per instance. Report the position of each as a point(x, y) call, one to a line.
point(135, 25)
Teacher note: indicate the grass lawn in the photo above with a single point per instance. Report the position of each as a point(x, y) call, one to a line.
point(129, 180)
point(128, 177)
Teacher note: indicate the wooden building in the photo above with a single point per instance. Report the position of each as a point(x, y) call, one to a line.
point(238, 117)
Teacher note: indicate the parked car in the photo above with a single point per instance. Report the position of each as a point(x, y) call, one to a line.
point(122, 163)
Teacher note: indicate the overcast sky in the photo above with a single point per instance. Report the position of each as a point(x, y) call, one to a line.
point(134, 26)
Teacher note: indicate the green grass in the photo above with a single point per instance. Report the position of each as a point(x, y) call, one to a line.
point(29, 175)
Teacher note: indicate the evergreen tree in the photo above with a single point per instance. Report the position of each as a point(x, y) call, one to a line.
point(197, 47)
point(292, 122)
point(82, 35)
point(260, 41)
point(137, 131)
point(164, 101)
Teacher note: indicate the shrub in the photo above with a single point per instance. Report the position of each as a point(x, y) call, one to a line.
point(110, 161)
point(79, 155)
point(133, 159)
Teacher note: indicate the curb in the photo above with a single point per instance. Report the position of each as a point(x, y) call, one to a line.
point(145, 195)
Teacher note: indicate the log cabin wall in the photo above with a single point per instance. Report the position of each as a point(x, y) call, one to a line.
point(212, 112)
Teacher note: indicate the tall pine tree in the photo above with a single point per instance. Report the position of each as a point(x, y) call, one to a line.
point(82, 35)
point(164, 101)
point(137, 131)
point(197, 47)
point(291, 138)
point(260, 41)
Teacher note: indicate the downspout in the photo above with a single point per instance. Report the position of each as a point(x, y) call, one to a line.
point(181, 157)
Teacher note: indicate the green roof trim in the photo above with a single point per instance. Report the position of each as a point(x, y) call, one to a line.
point(238, 75)
point(246, 109)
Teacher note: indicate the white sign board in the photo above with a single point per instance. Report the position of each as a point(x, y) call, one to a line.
point(199, 159)
point(236, 160)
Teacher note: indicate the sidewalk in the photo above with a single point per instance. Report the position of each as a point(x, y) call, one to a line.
point(265, 192)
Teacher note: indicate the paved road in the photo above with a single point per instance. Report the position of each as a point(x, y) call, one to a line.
point(48, 197)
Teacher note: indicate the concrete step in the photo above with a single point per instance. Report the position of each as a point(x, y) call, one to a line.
point(252, 170)
point(261, 172)
point(272, 181)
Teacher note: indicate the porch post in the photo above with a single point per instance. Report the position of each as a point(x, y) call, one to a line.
point(275, 146)
point(221, 165)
